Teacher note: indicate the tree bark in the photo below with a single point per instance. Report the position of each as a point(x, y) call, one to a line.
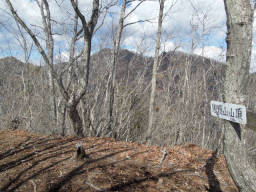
point(47, 27)
point(83, 81)
point(239, 44)
point(76, 121)
point(153, 81)
point(113, 72)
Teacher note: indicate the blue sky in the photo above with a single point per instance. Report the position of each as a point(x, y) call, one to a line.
point(207, 18)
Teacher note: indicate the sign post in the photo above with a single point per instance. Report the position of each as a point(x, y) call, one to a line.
point(231, 112)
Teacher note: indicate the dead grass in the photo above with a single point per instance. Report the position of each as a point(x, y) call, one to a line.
point(45, 163)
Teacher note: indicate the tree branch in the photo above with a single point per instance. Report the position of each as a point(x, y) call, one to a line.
point(80, 15)
point(107, 7)
point(134, 8)
point(94, 16)
point(102, 22)
point(139, 21)
point(32, 35)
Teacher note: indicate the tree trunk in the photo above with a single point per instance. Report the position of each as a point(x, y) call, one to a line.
point(53, 96)
point(76, 121)
point(239, 43)
point(64, 121)
point(153, 81)
point(46, 19)
point(113, 72)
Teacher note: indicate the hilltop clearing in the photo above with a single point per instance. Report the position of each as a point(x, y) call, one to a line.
point(45, 163)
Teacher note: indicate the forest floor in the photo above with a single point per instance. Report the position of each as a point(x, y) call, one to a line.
point(30, 162)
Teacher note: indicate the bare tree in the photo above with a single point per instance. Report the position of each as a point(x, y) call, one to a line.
point(153, 81)
point(114, 58)
point(75, 97)
point(117, 40)
point(71, 97)
point(27, 49)
point(47, 56)
point(239, 44)
point(46, 18)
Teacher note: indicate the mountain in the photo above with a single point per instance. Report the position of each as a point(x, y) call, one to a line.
point(185, 86)
point(174, 66)
point(130, 63)
point(176, 63)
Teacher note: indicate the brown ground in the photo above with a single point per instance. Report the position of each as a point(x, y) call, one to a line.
point(45, 163)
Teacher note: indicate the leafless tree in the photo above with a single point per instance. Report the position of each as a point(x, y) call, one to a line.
point(239, 44)
point(113, 72)
point(71, 97)
point(115, 56)
point(47, 27)
point(153, 82)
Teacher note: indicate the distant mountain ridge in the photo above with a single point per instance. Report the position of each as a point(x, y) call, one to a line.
point(185, 86)
point(130, 64)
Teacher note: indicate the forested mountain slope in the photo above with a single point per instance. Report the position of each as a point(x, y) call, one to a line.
point(185, 86)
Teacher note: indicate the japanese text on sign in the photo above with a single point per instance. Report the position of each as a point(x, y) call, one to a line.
point(228, 111)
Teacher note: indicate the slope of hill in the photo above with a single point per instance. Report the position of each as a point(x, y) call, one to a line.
point(42, 163)
point(185, 85)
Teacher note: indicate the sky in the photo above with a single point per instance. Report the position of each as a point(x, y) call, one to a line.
point(204, 21)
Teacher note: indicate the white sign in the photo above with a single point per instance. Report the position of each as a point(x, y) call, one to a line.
point(228, 111)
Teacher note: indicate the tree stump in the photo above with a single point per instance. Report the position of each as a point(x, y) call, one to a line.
point(80, 152)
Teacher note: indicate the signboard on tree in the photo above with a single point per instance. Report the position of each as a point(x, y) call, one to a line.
point(231, 112)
